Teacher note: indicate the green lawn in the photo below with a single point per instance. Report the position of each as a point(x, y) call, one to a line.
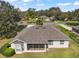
point(3, 41)
point(71, 21)
point(72, 51)
point(1, 56)
point(73, 36)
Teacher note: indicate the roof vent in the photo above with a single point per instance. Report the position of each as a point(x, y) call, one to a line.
point(37, 27)
point(44, 27)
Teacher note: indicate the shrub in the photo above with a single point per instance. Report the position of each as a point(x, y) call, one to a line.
point(4, 47)
point(39, 22)
point(7, 51)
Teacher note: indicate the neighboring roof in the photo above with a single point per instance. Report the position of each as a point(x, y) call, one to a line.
point(76, 27)
point(41, 35)
point(44, 17)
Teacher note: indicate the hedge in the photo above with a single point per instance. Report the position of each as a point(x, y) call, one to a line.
point(72, 24)
point(6, 50)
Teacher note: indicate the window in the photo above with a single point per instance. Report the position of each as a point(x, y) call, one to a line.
point(61, 42)
point(35, 46)
point(50, 42)
point(18, 50)
point(17, 47)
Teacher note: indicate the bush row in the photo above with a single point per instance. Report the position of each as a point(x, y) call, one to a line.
point(72, 24)
point(6, 50)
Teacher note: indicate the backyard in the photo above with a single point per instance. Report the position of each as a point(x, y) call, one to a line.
point(72, 51)
point(15, 16)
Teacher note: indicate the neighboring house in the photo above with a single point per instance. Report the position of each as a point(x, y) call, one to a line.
point(53, 18)
point(75, 29)
point(44, 18)
point(39, 39)
point(66, 19)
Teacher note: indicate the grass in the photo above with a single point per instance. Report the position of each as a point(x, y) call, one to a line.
point(1, 56)
point(3, 41)
point(65, 31)
point(72, 24)
point(73, 36)
point(72, 51)
point(71, 21)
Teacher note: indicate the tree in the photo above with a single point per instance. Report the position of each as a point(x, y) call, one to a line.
point(39, 22)
point(9, 16)
point(31, 13)
point(53, 11)
point(76, 14)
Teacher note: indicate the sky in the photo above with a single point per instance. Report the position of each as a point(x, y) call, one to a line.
point(65, 5)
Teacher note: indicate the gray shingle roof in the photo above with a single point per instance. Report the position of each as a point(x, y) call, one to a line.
point(41, 35)
point(76, 27)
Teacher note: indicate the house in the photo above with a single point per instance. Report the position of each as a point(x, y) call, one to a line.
point(53, 18)
point(44, 18)
point(39, 39)
point(66, 19)
point(75, 29)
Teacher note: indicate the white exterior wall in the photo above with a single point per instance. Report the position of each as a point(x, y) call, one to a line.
point(25, 49)
point(14, 47)
point(56, 44)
